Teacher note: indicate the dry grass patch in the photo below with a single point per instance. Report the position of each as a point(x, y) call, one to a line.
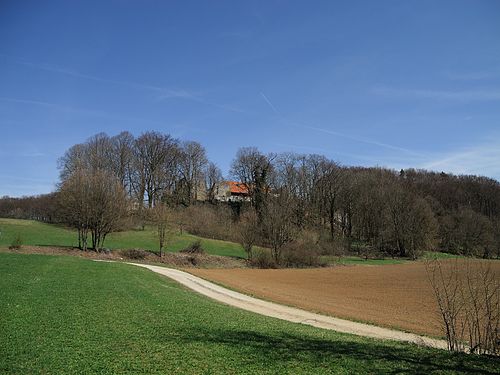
point(176, 260)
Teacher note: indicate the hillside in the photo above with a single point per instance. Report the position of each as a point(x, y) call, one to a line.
point(41, 234)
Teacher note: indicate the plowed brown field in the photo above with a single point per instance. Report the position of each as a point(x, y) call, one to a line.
point(396, 296)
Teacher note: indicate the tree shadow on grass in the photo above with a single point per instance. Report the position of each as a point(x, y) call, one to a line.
point(374, 356)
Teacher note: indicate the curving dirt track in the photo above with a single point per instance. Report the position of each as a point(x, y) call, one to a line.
point(291, 314)
point(394, 296)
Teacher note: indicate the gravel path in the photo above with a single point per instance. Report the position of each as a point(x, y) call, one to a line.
point(290, 314)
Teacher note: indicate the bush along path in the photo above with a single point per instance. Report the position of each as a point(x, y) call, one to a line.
point(290, 314)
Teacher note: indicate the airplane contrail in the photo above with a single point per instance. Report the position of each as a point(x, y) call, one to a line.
point(269, 103)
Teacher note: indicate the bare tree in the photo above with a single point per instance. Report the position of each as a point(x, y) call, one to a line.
point(411, 226)
point(310, 170)
point(99, 153)
point(285, 177)
point(248, 232)
point(468, 232)
point(368, 217)
point(213, 179)
point(74, 204)
point(481, 294)
point(278, 227)
point(74, 159)
point(347, 199)
point(109, 206)
point(375, 209)
point(329, 187)
point(41, 207)
point(446, 283)
point(160, 215)
point(468, 297)
point(155, 157)
point(122, 159)
point(192, 164)
point(94, 202)
point(253, 169)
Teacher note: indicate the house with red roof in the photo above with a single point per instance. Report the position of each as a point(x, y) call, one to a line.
point(232, 191)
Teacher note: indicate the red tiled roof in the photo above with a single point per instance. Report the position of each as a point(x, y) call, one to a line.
point(237, 187)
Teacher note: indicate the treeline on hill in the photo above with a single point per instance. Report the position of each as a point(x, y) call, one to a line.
point(299, 206)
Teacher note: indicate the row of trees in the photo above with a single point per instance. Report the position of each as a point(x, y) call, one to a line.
point(292, 196)
point(38, 207)
point(152, 168)
point(370, 209)
point(107, 181)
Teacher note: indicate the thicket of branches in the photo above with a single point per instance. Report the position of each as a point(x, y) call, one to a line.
point(93, 202)
point(39, 207)
point(151, 168)
point(369, 210)
point(294, 199)
point(468, 297)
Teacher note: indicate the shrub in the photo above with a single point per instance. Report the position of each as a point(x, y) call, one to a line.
point(263, 259)
point(16, 243)
point(248, 232)
point(194, 248)
point(208, 221)
point(193, 260)
point(468, 296)
point(136, 254)
point(337, 246)
point(302, 253)
point(366, 251)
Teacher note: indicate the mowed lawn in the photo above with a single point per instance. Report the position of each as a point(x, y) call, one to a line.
point(41, 234)
point(71, 315)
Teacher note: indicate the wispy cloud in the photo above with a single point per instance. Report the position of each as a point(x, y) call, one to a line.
point(266, 99)
point(83, 111)
point(471, 76)
point(22, 154)
point(202, 100)
point(52, 105)
point(25, 189)
point(17, 186)
point(459, 95)
point(182, 94)
point(226, 107)
point(163, 93)
point(481, 159)
point(364, 140)
point(26, 179)
point(325, 151)
point(339, 134)
point(166, 92)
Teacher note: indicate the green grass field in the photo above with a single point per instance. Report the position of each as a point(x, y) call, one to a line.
point(355, 260)
point(71, 315)
point(41, 234)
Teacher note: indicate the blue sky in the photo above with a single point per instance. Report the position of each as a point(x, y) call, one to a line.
point(388, 83)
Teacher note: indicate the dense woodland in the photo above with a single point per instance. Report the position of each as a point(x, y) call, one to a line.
point(301, 206)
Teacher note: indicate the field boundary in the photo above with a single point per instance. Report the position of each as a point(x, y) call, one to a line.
point(291, 314)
